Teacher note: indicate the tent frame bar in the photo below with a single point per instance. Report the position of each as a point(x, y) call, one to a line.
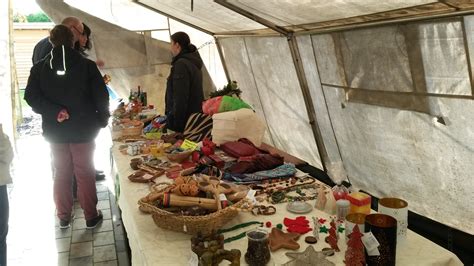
point(347, 27)
point(383, 23)
point(221, 56)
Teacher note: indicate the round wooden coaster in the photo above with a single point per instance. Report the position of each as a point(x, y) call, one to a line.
point(310, 240)
point(328, 252)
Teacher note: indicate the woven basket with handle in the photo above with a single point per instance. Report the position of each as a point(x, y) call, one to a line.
point(192, 225)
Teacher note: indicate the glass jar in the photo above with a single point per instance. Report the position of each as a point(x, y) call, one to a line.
point(340, 192)
point(258, 252)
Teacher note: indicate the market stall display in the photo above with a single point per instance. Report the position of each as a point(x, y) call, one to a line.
point(217, 192)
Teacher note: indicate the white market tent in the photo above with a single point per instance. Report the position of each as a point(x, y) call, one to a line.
point(377, 92)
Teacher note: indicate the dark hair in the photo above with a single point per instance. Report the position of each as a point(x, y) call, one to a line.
point(87, 32)
point(61, 35)
point(182, 39)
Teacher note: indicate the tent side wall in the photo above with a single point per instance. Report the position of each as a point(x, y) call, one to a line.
point(398, 149)
point(274, 91)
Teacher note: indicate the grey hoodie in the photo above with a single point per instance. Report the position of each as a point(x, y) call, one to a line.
point(6, 157)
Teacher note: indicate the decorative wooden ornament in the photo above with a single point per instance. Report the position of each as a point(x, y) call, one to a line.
point(278, 239)
point(307, 258)
point(321, 199)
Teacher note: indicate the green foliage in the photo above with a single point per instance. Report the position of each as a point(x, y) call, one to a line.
point(38, 17)
point(17, 17)
point(230, 89)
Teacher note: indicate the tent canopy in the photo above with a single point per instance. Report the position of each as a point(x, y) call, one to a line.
point(377, 92)
point(223, 17)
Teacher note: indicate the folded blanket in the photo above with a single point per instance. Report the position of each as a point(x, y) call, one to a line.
point(285, 170)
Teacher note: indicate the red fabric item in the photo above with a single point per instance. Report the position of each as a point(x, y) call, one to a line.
point(259, 162)
point(207, 150)
point(195, 157)
point(188, 164)
point(208, 143)
point(299, 225)
point(238, 149)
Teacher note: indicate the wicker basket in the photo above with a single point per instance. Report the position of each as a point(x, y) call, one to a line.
point(191, 224)
point(132, 130)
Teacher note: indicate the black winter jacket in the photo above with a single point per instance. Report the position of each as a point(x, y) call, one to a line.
point(41, 50)
point(184, 92)
point(80, 90)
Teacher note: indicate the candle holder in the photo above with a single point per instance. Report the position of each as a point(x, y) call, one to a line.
point(258, 252)
point(352, 220)
point(384, 229)
point(398, 209)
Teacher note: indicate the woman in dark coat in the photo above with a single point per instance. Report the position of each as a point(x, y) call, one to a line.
point(184, 92)
point(69, 93)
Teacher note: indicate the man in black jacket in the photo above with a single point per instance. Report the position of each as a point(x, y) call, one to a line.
point(184, 93)
point(43, 47)
point(70, 94)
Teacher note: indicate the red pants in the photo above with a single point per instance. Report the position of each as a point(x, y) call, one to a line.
point(74, 159)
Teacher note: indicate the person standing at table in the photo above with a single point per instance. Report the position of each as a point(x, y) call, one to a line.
point(6, 157)
point(69, 93)
point(184, 92)
point(84, 44)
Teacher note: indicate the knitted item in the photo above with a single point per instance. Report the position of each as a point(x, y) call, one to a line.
point(299, 225)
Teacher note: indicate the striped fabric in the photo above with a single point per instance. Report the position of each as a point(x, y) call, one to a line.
point(198, 127)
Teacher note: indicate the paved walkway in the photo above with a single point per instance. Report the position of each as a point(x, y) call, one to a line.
point(34, 237)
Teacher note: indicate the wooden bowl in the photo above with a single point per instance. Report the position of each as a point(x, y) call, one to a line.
point(179, 157)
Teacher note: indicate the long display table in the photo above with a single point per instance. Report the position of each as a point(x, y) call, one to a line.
point(151, 245)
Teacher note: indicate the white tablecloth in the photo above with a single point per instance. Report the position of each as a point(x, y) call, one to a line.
point(151, 245)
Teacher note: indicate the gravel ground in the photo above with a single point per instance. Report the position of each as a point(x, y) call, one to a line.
point(31, 124)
